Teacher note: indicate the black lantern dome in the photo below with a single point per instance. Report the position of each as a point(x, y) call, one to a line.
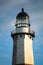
point(22, 14)
point(22, 19)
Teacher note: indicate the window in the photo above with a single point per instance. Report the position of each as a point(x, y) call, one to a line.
point(20, 35)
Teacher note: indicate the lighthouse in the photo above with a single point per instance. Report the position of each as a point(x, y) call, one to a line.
point(22, 40)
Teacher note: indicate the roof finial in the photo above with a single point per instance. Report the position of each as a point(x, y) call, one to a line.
point(22, 9)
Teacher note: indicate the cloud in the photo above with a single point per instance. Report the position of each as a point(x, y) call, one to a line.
point(39, 55)
point(7, 26)
point(0, 35)
point(4, 2)
point(1, 48)
point(36, 20)
point(36, 17)
point(36, 48)
point(20, 1)
point(9, 4)
point(4, 55)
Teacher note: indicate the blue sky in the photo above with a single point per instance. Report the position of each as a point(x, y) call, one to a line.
point(8, 12)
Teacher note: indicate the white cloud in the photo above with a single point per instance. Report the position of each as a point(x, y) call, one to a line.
point(1, 48)
point(36, 20)
point(39, 55)
point(1, 35)
point(11, 3)
point(36, 17)
point(36, 48)
point(4, 55)
point(7, 26)
point(20, 1)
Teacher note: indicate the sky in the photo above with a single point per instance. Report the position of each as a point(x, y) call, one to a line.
point(8, 12)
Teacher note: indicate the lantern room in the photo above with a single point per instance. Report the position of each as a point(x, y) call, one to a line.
point(22, 19)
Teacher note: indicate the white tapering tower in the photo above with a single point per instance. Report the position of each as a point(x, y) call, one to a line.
point(22, 40)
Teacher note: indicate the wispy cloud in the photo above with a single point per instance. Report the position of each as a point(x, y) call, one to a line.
point(7, 5)
point(1, 48)
point(7, 26)
point(0, 35)
point(38, 56)
point(35, 10)
point(36, 19)
point(4, 55)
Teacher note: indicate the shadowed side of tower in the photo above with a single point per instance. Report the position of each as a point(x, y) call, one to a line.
point(22, 40)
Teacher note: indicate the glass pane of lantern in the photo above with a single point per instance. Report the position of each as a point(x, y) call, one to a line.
point(23, 21)
point(26, 20)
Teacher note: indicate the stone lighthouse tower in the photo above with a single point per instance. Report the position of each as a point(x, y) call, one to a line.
point(22, 40)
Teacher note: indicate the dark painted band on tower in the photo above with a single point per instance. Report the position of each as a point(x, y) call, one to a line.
point(32, 34)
